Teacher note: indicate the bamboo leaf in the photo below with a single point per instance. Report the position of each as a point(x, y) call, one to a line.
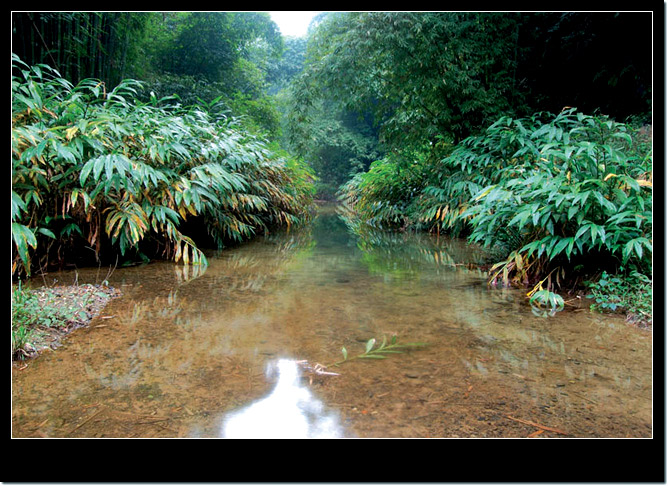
point(46, 232)
point(23, 238)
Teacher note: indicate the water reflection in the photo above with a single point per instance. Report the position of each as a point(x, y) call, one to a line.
point(186, 345)
point(289, 411)
point(407, 254)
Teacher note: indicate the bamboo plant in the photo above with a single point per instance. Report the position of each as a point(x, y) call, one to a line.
point(96, 170)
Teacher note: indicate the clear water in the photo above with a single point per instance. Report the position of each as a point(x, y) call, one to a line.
point(225, 352)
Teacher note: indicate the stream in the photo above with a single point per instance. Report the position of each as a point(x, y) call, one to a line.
point(225, 350)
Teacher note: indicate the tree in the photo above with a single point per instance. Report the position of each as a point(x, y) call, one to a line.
point(210, 44)
point(422, 75)
point(281, 71)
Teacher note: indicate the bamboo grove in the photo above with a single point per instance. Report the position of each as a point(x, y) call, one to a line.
point(556, 197)
point(96, 173)
point(81, 44)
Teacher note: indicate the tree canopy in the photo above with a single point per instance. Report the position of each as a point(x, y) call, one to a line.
point(428, 75)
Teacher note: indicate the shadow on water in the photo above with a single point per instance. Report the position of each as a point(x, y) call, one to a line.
point(210, 352)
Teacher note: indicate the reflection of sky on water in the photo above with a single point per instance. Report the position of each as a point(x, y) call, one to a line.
point(289, 411)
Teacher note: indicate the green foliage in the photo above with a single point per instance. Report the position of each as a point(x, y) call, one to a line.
point(92, 168)
point(559, 189)
point(379, 352)
point(384, 196)
point(420, 74)
point(438, 77)
point(557, 197)
point(210, 44)
point(280, 72)
point(337, 142)
point(631, 293)
point(193, 55)
point(29, 311)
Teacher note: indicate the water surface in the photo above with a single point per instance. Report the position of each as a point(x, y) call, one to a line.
point(220, 352)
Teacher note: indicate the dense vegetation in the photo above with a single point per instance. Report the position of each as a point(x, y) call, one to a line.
point(91, 166)
point(557, 198)
point(484, 128)
point(100, 172)
point(528, 133)
point(403, 83)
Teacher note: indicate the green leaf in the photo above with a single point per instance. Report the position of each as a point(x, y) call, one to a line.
point(18, 205)
point(572, 211)
point(23, 238)
point(625, 136)
point(559, 247)
point(46, 232)
point(521, 217)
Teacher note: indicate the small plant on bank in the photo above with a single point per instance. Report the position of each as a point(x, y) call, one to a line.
point(631, 294)
point(42, 315)
point(22, 306)
point(543, 301)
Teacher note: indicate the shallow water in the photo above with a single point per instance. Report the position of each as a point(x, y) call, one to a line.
point(221, 352)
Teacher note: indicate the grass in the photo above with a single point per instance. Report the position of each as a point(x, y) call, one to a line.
point(41, 317)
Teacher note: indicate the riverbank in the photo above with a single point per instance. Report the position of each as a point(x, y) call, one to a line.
point(42, 317)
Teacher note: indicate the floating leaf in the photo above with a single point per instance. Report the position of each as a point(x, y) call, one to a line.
point(380, 351)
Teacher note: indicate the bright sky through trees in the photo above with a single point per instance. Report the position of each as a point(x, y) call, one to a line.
point(293, 23)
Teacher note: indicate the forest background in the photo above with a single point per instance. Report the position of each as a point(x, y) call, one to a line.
point(157, 133)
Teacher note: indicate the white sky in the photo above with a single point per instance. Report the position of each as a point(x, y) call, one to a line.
point(293, 23)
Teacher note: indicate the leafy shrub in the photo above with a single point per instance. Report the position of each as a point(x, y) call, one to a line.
point(630, 293)
point(568, 189)
point(557, 197)
point(383, 196)
point(100, 170)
